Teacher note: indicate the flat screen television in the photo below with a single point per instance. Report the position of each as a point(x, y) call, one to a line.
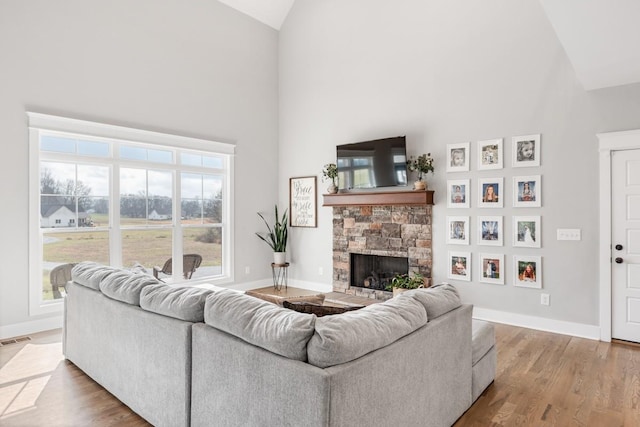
point(372, 164)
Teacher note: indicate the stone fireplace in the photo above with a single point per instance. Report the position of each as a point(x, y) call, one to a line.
point(400, 231)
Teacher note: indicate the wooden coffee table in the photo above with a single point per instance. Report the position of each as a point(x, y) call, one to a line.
point(335, 299)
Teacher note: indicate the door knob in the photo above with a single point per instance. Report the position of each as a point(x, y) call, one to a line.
point(618, 247)
point(619, 260)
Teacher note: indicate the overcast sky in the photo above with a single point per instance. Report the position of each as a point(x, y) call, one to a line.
point(134, 181)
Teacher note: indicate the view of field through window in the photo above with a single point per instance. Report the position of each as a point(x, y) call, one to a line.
point(77, 224)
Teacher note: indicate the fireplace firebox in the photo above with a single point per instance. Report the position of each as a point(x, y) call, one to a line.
point(376, 272)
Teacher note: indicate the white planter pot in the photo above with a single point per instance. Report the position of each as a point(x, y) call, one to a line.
point(279, 257)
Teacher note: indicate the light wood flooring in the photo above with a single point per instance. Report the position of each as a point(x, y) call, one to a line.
point(543, 379)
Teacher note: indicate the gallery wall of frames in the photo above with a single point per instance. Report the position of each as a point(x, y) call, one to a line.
point(491, 192)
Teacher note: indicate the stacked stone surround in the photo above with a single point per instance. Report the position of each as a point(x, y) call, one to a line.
point(398, 231)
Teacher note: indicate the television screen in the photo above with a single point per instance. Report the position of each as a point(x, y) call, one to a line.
point(373, 164)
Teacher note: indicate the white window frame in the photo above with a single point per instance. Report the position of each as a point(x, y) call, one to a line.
point(39, 123)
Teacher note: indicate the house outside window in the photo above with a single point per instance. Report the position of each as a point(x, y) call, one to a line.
point(123, 197)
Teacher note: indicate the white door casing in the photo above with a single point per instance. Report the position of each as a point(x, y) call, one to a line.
point(625, 232)
point(609, 143)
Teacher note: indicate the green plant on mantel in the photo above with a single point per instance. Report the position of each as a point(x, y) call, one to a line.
point(330, 171)
point(404, 281)
point(423, 165)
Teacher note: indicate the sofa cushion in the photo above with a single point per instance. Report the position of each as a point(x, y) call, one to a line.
point(318, 309)
point(437, 300)
point(180, 302)
point(260, 323)
point(340, 339)
point(317, 299)
point(90, 274)
point(482, 339)
point(126, 286)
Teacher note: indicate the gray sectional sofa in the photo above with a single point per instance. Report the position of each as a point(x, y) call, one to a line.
point(182, 356)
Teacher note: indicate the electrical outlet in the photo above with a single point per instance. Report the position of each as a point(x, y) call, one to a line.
point(247, 270)
point(544, 299)
point(320, 271)
point(569, 234)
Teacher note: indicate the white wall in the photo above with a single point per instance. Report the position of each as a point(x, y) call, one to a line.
point(448, 72)
point(195, 68)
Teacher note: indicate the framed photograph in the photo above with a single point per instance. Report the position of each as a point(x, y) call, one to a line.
point(458, 230)
point(527, 191)
point(490, 154)
point(490, 230)
point(303, 207)
point(460, 266)
point(527, 271)
point(490, 192)
point(526, 231)
point(491, 268)
point(458, 192)
point(458, 157)
point(526, 151)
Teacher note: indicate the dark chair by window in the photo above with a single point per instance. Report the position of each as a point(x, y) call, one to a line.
point(59, 276)
point(190, 262)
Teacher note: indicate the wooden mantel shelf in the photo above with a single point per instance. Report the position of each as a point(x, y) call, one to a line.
point(396, 198)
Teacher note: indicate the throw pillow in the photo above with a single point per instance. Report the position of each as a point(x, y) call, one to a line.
point(317, 309)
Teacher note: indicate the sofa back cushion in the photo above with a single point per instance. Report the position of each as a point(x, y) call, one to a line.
point(182, 303)
point(90, 274)
point(260, 323)
point(126, 286)
point(345, 337)
point(437, 300)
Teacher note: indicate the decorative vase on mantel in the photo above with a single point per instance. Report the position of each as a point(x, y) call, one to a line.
point(279, 258)
point(333, 188)
point(420, 185)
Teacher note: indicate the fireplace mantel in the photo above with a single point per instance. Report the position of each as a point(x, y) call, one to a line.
point(392, 198)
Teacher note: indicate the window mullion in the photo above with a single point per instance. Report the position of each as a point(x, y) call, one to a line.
point(177, 226)
point(115, 231)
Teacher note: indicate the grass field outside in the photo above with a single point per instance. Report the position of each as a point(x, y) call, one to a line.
point(150, 247)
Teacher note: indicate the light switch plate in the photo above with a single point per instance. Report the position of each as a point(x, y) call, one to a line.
point(569, 234)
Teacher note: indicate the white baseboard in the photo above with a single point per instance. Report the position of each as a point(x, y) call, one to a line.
point(30, 327)
point(581, 330)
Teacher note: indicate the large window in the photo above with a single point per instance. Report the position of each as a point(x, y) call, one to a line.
point(125, 197)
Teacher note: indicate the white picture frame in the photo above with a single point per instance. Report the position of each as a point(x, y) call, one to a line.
point(458, 157)
point(458, 193)
point(526, 150)
point(491, 268)
point(491, 192)
point(490, 154)
point(527, 191)
point(490, 231)
point(527, 271)
point(458, 230)
point(459, 266)
point(527, 231)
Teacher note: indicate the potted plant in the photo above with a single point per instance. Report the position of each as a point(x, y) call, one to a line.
point(423, 164)
point(276, 237)
point(403, 282)
point(330, 171)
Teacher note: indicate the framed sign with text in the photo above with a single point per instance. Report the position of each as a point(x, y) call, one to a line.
point(303, 207)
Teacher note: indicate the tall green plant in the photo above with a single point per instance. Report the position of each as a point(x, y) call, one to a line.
point(276, 237)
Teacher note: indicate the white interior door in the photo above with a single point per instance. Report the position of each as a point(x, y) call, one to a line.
point(625, 267)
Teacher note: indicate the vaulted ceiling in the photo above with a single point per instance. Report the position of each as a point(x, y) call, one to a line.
point(600, 37)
